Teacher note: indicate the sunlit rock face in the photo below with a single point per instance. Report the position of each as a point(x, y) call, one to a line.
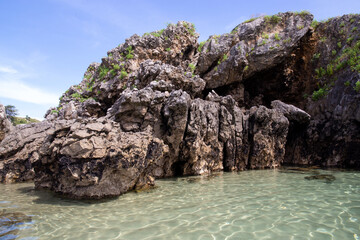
point(164, 105)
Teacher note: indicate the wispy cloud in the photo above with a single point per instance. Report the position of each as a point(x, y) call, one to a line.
point(7, 69)
point(15, 78)
point(14, 89)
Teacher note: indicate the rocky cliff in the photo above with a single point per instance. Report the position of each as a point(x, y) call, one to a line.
point(164, 105)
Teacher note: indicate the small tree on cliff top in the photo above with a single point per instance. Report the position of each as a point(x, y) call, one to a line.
point(11, 112)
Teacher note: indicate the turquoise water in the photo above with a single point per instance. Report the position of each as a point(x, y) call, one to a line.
point(266, 204)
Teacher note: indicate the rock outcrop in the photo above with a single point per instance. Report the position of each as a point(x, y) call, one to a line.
point(162, 105)
point(20, 150)
point(332, 137)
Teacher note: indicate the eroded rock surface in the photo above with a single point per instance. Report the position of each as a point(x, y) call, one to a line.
point(95, 158)
point(250, 48)
point(162, 105)
point(20, 149)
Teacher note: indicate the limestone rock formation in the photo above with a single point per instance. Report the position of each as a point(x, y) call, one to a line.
point(291, 112)
point(332, 137)
point(163, 105)
point(95, 158)
point(250, 48)
point(20, 149)
point(268, 131)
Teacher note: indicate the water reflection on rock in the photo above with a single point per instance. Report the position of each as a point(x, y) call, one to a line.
point(11, 223)
point(300, 170)
point(326, 177)
point(202, 178)
point(313, 171)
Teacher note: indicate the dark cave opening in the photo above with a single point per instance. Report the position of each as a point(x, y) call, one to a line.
point(287, 81)
point(259, 89)
point(295, 143)
point(178, 168)
point(188, 52)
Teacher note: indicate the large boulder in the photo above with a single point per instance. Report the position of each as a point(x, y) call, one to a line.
point(268, 131)
point(96, 159)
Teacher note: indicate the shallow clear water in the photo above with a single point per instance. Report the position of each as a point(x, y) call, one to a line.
point(269, 204)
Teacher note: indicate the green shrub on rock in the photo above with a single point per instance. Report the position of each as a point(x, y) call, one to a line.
point(322, 92)
point(357, 86)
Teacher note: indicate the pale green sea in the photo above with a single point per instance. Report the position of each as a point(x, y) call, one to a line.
point(266, 204)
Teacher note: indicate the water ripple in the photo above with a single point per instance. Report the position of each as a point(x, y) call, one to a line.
point(267, 204)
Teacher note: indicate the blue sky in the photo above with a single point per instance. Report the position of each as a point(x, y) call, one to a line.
point(46, 45)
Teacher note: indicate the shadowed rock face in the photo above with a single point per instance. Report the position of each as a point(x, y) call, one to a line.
point(332, 137)
point(162, 105)
point(251, 48)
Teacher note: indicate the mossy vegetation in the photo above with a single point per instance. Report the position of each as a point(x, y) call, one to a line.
point(190, 28)
point(130, 52)
point(87, 76)
point(320, 72)
point(316, 56)
point(303, 13)
point(274, 19)
point(201, 45)
point(263, 42)
point(192, 67)
point(103, 71)
point(314, 24)
point(266, 36)
point(300, 27)
point(323, 39)
point(357, 86)
point(222, 59)
point(350, 56)
point(287, 40)
point(234, 30)
point(349, 40)
point(26, 120)
point(157, 33)
point(216, 38)
point(123, 74)
point(114, 70)
point(319, 94)
point(277, 37)
point(250, 20)
point(346, 54)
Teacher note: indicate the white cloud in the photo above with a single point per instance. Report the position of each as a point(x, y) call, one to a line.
point(15, 89)
point(19, 80)
point(6, 69)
